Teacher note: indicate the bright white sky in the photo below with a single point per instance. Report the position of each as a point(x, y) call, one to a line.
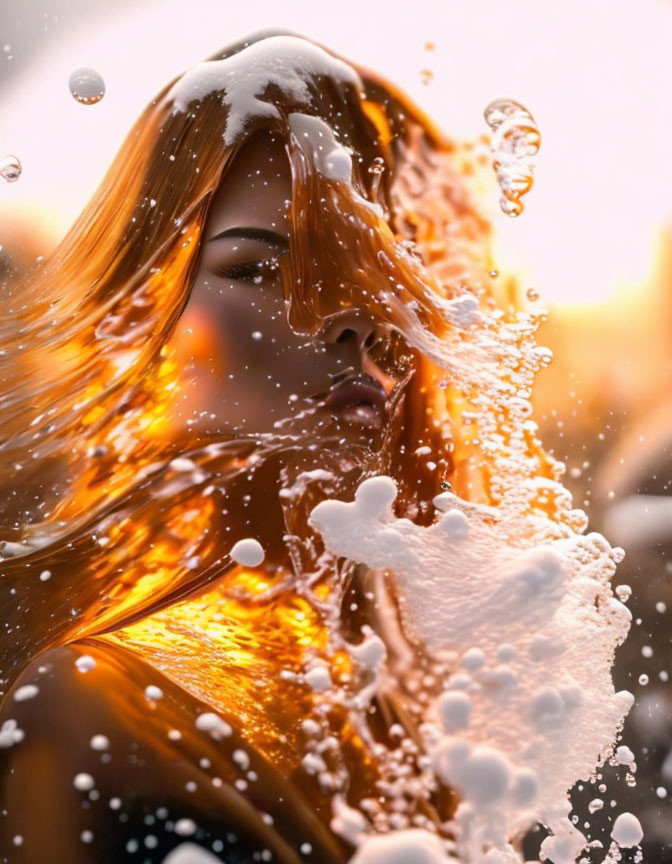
point(595, 74)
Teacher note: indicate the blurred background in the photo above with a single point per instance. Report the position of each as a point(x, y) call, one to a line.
point(595, 240)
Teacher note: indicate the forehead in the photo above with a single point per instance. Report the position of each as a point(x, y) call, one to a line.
point(255, 188)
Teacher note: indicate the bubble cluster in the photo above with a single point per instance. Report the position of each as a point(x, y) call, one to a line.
point(514, 143)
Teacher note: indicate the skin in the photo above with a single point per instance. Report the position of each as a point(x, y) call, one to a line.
point(248, 369)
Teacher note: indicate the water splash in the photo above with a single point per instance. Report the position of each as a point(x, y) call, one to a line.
point(10, 168)
point(86, 85)
point(254, 647)
point(515, 142)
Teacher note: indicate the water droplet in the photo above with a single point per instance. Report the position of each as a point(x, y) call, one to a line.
point(10, 168)
point(515, 142)
point(87, 86)
point(630, 780)
point(510, 207)
point(532, 295)
point(153, 693)
point(643, 679)
point(426, 76)
point(595, 805)
point(623, 592)
point(377, 165)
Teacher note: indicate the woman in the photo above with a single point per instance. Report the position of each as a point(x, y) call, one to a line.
point(261, 306)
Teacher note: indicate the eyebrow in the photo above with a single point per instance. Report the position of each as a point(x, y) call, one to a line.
point(262, 234)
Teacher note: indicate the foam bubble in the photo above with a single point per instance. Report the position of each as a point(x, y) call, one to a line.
point(210, 722)
point(627, 830)
point(248, 552)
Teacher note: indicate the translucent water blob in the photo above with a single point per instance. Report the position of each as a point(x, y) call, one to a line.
point(86, 85)
point(515, 142)
point(10, 168)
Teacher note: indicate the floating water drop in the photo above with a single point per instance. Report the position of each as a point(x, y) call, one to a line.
point(153, 693)
point(87, 86)
point(10, 168)
point(532, 295)
point(515, 142)
point(377, 165)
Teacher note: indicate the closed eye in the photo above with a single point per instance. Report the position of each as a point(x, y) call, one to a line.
point(251, 270)
point(245, 254)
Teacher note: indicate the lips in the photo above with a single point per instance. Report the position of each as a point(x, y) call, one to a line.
point(359, 398)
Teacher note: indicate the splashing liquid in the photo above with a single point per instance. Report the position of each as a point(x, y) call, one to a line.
point(304, 692)
point(10, 168)
point(515, 142)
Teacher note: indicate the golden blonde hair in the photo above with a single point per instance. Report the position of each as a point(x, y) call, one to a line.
point(94, 320)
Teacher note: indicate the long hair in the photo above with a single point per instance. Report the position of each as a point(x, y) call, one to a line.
point(128, 519)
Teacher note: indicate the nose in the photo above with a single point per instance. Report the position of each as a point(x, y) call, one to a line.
point(350, 326)
point(349, 336)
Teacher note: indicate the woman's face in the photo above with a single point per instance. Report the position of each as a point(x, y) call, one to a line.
point(248, 371)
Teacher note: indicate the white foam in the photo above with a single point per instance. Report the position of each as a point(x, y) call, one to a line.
point(413, 846)
point(347, 822)
point(527, 606)
point(284, 62)
point(318, 677)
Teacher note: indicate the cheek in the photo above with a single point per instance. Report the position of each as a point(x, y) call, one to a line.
point(241, 329)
